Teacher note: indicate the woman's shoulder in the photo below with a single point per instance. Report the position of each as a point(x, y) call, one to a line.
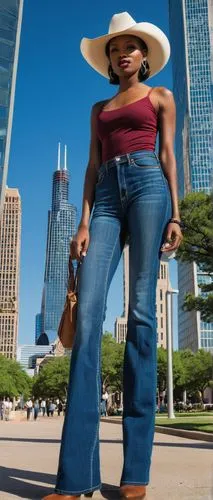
point(163, 90)
point(165, 95)
point(98, 105)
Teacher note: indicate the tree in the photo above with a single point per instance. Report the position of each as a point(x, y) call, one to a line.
point(161, 369)
point(112, 362)
point(179, 372)
point(14, 381)
point(197, 246)
point(52, 380)
point(191, 371)
point(200, 370)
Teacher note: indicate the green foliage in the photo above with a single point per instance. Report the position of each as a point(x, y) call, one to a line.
point(162, 369)
point(202, 304)
point(200, 370)
point(112, 362)
point(179, 370)
point(52, 380)
point(191, 371)
point(14, 381)
point(197, 214)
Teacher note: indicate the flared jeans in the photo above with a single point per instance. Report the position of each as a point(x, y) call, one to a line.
point(132, 201)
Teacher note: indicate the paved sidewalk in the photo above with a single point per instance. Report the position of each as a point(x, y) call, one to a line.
point(182, 469)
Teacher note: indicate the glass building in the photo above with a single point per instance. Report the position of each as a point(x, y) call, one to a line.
point(61, 227)
point(191, 28)
point(38, 326)
point(26, 352)
point(10, 29)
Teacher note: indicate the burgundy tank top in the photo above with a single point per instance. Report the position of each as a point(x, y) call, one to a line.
point(130, 128)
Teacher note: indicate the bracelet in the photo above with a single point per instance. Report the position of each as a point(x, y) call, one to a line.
point(179, 222)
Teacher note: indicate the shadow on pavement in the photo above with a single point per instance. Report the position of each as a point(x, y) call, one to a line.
point(15, 482)
point(20, 483)
point(198, 445)
point(31, 440)
point(110, 491)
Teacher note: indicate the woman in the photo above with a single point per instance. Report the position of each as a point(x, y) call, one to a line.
point(134, 192)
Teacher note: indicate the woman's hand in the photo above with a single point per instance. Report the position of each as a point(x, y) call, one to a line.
point(173, 237)
point(80, 242)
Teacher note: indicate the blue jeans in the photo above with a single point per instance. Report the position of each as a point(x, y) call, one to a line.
point(132, 197)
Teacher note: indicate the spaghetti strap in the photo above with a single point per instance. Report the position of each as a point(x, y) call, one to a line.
point(150, 90)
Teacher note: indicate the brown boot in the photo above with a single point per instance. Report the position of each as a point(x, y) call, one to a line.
point(55, 496)
point(132, 492)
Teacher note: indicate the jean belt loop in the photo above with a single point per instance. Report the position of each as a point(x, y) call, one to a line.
point(128, 158)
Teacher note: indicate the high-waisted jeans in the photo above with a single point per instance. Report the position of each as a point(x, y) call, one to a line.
point(132, 197)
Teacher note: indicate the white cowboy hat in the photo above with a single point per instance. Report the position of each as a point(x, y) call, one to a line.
point(93, 50)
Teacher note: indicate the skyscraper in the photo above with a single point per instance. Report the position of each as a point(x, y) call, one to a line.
point(38, 326)
point(61, 227)
point(191, 25)
point(10, 26)
point(10, 236)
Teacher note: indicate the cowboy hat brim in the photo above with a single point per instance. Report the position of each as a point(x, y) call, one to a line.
point(93, 50)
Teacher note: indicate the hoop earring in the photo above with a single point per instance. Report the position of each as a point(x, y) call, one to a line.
point(144, 67)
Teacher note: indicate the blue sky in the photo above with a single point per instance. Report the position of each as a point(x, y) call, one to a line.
point(55, 91)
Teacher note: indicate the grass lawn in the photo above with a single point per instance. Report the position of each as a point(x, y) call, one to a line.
point(190, 414)
point(191, 422)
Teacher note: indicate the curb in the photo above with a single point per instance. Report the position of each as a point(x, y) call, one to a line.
point(197, 435)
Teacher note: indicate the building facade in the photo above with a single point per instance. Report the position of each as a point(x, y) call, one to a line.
point(10, 29)
point(191, 27)
point(38, 327)
point(61, 228)
point(163, 285)
point(10, 238)
point(27, 354)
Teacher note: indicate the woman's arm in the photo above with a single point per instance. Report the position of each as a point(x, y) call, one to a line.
point(80, 242)
point(92, 169)
point(167, 125)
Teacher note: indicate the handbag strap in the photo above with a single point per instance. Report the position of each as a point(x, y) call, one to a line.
point(73, 277)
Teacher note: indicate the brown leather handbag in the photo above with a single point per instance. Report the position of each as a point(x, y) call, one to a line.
point(67, 325)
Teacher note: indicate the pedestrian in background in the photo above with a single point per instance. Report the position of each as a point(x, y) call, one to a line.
point(48, 407)
point(104, 400)
point(1, 409)
point(36, 409)
point(29, 407)
point(52, 407)
point(7, 409)
point(59, 408)
point(43, 406)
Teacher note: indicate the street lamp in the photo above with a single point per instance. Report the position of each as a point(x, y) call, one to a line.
point(169, 345)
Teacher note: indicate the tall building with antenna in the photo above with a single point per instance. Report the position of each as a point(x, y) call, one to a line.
point(191, 37)
point(61, 227)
